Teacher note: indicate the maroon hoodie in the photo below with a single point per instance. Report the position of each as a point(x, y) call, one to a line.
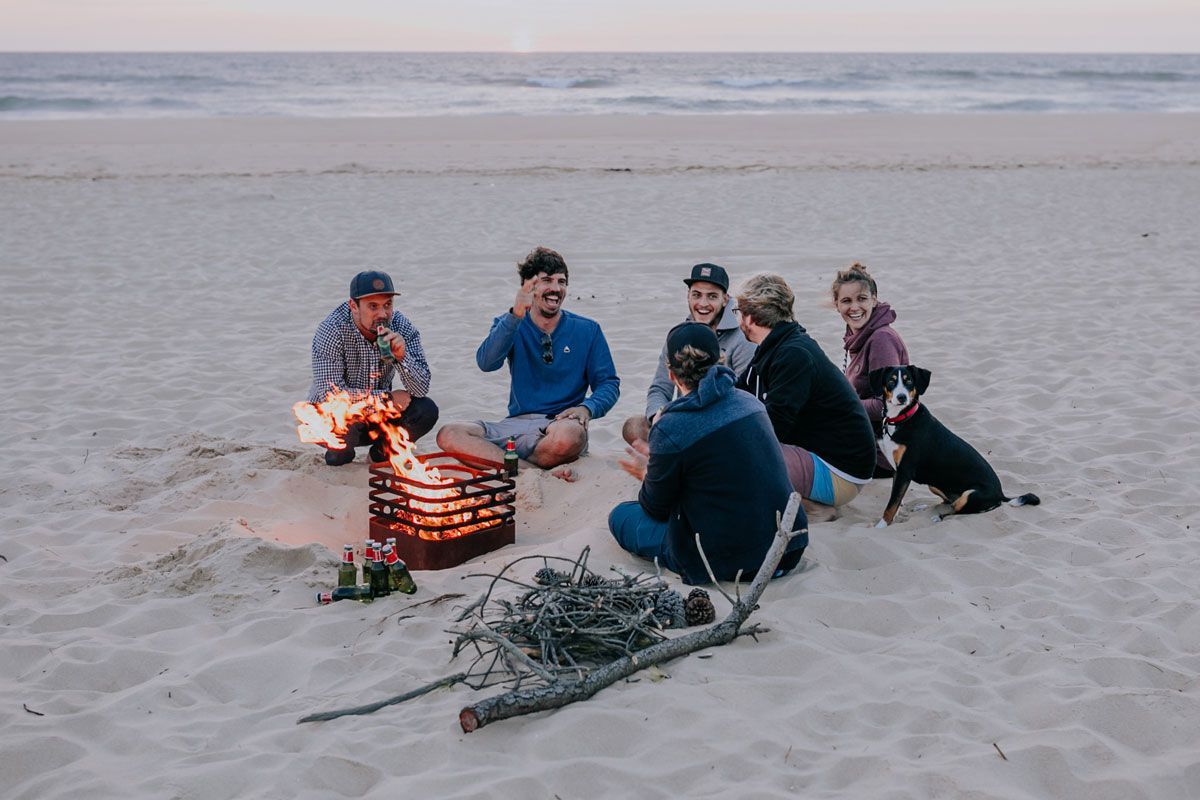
point(874, 345)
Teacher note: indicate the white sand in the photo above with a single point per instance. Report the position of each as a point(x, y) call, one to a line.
point(164, 532)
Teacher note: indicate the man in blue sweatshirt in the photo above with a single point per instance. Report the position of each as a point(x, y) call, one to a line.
point(554, 357)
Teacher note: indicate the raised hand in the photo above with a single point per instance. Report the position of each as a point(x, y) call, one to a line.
point(524, 298)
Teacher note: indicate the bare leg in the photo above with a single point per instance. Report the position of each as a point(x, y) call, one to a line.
point(562, 444)
point(467, 438)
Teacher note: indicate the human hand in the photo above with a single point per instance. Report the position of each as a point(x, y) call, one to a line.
point(401, 399)
point(577, 413)
point(524, 298)
point(638, 458)
point(393, 340)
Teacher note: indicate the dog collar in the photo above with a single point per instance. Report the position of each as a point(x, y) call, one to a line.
point(903, 416)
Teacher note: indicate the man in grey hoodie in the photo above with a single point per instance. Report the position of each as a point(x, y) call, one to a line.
point(707, 302)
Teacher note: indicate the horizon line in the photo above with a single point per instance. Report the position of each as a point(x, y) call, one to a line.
point(610, 52)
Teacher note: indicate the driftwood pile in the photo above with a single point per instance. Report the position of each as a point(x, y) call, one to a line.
point(572, 632)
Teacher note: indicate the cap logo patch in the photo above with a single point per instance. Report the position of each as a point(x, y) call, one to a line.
point(706, 271)
point(377, 283)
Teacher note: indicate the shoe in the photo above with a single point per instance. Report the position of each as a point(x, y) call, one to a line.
point(338, 458)
point(378, 452)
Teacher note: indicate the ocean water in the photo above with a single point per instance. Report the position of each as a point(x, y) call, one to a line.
point(90, 85)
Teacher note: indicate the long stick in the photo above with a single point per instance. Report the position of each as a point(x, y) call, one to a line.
point(560, 693)
point(391, 701)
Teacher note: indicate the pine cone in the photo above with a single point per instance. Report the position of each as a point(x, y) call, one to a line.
point(592, 579)
point(548, 576)
point(669, 609)
point(699, 608)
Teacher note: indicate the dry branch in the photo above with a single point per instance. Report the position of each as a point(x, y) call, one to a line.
point(391, 701)
point(560, 693)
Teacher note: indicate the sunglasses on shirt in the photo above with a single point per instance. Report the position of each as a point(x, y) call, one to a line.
point(547, 349)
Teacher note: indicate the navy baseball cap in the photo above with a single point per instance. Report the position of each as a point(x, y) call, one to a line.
point(696, 334)
point(371, 282)
point(709, 273)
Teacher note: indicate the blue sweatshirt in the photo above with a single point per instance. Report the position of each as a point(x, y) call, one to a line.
point(716, 469)
point(581, 360)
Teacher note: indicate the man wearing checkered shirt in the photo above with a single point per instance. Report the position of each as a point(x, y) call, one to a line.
point(346, 355)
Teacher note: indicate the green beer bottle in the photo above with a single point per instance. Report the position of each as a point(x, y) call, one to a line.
point(347, 572)
point(385, 349)
point(379, 577)
point(398, 574)
point(510, 458)
point(360, 593)
point(368, 556)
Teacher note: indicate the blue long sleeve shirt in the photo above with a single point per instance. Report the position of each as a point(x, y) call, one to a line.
point(581, 361)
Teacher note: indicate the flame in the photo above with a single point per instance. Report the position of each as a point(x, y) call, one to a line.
point(328, 421)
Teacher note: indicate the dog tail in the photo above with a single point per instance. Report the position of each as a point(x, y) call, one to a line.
point(1029, 499)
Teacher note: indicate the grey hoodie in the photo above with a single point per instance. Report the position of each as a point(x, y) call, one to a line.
point(736, 353)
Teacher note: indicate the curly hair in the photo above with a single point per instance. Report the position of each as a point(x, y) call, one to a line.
point(766, 299)
point(855, 273)
point(542, 259)
point(691, 363)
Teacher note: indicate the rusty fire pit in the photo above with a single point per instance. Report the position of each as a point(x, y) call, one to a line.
point(437, 526)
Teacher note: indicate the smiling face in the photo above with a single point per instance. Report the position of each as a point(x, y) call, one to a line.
point(706, 302)
point(549, 292)
point(370, 312)
point(855, 303)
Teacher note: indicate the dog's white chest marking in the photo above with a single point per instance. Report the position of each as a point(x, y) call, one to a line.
point(888, 447)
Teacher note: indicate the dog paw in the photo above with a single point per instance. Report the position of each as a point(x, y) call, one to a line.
point(881, 524)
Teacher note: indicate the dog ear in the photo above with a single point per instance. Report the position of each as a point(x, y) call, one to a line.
point(922, 378)
point(875, 376)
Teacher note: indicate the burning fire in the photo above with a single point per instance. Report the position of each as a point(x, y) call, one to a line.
point(327, 422)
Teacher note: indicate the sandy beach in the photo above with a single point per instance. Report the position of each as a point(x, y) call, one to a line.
point(164, 532)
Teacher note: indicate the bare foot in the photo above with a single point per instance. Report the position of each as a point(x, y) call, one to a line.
point(564, 474)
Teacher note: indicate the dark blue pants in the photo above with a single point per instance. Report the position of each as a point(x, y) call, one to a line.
point(417, 420)
point(640, 534)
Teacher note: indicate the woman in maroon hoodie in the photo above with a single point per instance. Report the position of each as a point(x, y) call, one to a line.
point(869, 341)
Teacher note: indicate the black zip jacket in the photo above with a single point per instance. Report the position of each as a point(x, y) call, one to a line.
point(809, 400)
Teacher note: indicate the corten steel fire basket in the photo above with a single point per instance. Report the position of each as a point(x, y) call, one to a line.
point(427, 529)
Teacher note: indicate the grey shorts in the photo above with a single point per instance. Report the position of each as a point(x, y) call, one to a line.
point(525, 429)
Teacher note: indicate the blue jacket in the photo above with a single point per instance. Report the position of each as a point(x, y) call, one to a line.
point(581, 360)
point(716, 468)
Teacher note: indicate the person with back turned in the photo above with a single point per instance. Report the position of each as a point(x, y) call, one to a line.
point(827, 441)
point(712, 468)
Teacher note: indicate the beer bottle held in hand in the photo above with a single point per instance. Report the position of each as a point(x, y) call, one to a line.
point(360, 593)
point(347, 572)
point(368, 557)
point(385, 349)
point(510, 457)
point(401, 579)
point(379, 576)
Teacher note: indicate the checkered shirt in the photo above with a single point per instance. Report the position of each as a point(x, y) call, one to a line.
point(343, 358)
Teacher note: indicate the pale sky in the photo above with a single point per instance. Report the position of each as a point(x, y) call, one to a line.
point(631, 25)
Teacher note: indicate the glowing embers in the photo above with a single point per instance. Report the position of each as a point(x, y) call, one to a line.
point(442, 508)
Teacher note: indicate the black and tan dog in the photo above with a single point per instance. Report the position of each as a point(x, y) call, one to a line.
point(924, 450)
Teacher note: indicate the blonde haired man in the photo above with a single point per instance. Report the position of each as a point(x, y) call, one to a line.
point(827, 441)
